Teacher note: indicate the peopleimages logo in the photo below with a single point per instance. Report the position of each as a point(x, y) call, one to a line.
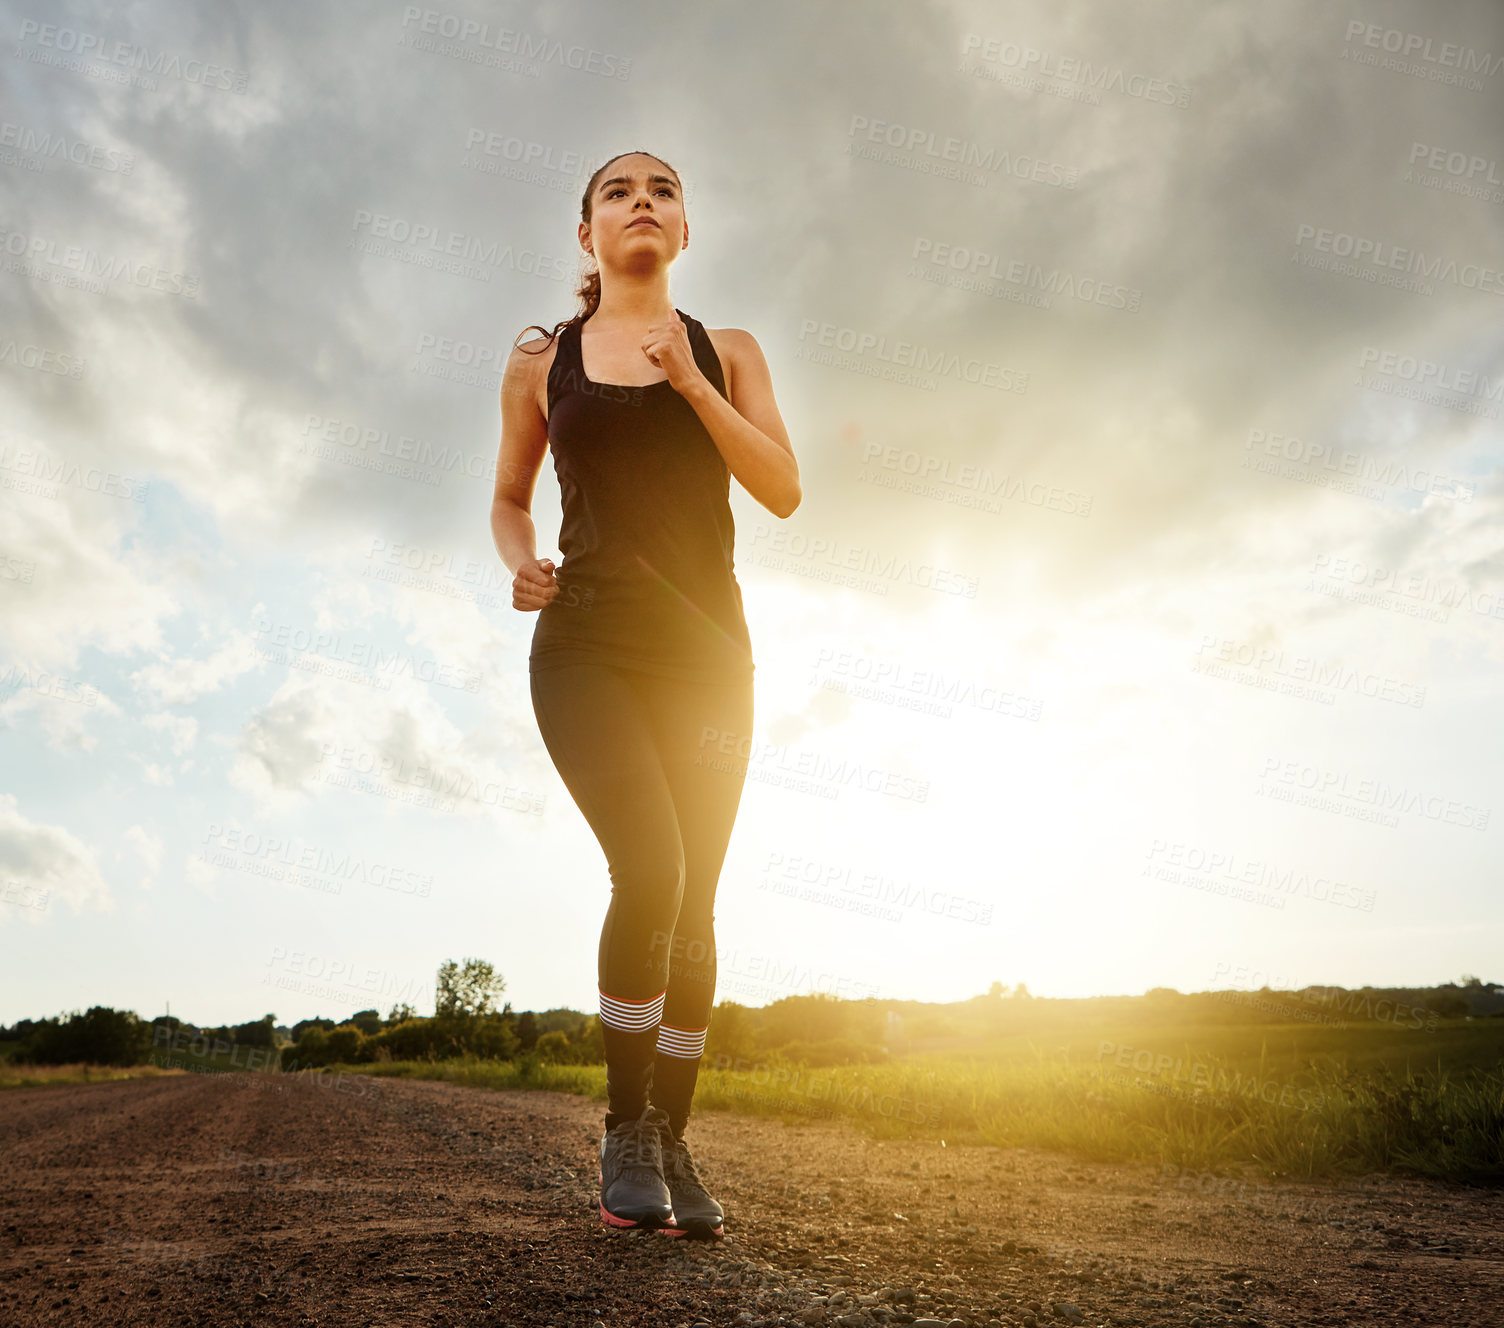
point(1334, 675)
point(981, 265)
point(47, 467)
point(131, 55)
point(490, 43)
point(1071, 69)
point(912, 355)
point(1468, 165)
point(1414, 45)
point(1179, 858)
point(823, 1088)
point(1376, 255)
point(925, 149)
point(43, 145)
point(40, 255)
point(1339, 787)
point(1206, 1077)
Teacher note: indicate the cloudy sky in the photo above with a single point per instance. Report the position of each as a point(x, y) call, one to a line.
point(1142, 621)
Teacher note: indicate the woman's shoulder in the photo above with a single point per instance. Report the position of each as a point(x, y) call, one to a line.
point(536, 355)
point(529, 366)
point(542, 347)
point(738, 352)
point(732, 343)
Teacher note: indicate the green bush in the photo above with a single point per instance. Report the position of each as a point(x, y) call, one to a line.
point(101, 1036)
point(816, 1018)
point(832, 1051)
point(410, 1040)
point(346, 1045)
point(590, 1045)
point(310, 1049)
point(555, 1049)
point(443, 1037)
point(731, 1032)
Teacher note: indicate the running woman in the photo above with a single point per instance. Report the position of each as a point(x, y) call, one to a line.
point(641, 664)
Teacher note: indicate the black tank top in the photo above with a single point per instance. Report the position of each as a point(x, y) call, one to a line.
point(646, 580)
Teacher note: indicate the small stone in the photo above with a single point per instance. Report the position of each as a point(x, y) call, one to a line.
point(1069, 1312)
point(929, 1323)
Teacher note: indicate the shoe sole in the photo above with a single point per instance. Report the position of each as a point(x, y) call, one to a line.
point(648, 1223)
point(695, 1230)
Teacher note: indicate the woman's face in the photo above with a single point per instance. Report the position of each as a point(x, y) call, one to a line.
point(636, 215)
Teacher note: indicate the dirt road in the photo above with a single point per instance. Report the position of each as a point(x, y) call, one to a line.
point(280, 1199)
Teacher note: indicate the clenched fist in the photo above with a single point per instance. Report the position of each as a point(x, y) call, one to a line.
point(534, 585)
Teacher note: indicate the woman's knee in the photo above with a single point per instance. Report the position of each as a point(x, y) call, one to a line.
point(652, 881)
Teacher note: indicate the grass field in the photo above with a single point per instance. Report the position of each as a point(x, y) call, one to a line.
point(1277, 1100)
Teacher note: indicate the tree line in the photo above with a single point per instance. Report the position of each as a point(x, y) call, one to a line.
point(818, 1029)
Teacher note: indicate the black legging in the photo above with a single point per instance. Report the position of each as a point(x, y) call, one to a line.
point(646, 760)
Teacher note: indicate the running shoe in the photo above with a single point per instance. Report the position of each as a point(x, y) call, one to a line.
point(695, 1213)
point(633, 1190)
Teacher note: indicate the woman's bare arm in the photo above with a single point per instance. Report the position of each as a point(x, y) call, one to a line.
point(524, 441)
point(748, 429)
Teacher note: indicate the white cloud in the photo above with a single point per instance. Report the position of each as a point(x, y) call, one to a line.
point(66, 707)
point(181, 680)
point(49, 860)
point(148, 846)
point(87, 585)
point(322, 733)
point(181, 730)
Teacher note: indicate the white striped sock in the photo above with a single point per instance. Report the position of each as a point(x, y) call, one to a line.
point(632, 1016)
point(686, 1042)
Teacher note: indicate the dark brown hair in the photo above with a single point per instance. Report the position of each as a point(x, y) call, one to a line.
point(589, 291)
